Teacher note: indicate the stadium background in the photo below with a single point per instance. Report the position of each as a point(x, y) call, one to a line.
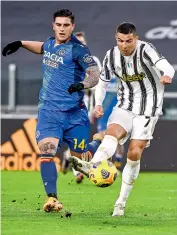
point(33, 21)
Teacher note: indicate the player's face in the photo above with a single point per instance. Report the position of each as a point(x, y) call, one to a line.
point(126, 43)
point(63, 29)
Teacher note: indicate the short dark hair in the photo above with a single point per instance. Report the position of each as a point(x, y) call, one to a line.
point(64, 13)
point(126, 28)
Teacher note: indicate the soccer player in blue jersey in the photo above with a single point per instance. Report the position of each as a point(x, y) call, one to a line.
point(68, 69)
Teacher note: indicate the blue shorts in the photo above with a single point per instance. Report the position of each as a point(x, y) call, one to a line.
point(71, 127)
point(108, 104)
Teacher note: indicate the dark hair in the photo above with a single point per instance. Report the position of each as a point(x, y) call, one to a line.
point(64, 13)
point(126, 28)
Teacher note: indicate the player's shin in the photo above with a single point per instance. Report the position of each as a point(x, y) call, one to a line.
point(129, 175)
point(49, 174)
point(93, 146)
point(117, 160)
point(106, 149)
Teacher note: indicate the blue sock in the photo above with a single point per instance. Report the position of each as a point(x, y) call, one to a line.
point(93, 146)
point(49, 174)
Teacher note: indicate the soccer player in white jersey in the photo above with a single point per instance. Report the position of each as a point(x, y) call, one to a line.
point(142, 73)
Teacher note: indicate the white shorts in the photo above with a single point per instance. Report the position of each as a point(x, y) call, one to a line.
point(138, 127)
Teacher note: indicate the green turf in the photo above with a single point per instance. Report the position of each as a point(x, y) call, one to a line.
point(151, 209)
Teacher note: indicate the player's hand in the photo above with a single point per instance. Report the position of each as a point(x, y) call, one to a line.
point(76, 87)
point(165, 80)
point(11, 48)
point(98, 111)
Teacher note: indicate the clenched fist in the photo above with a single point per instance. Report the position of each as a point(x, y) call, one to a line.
point(165, 80)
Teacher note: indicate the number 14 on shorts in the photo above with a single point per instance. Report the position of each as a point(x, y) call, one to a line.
point(81, 145)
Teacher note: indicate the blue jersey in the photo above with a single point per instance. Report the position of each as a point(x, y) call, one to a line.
point(63, 65)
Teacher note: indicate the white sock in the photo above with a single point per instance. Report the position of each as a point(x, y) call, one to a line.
point(75, 172)
point(129, 175)
point(67, 154)
point(106, 149)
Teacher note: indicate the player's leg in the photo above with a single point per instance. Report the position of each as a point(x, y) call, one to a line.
point(93, 146)
point(46, 128)
point(118, 156)
point(101, 127)
point(141, 134)
point(88, 155)
point(108, 105)
point(119, 126)
point(78, 175)
point(65, 162)
point(48, 148)
point(65, 165)
point(129, 174)
point(77, 136)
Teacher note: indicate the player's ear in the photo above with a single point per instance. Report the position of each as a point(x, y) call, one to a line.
point(53, 25)
point(136, 37)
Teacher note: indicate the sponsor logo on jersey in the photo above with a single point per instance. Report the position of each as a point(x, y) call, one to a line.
point(61, 52)
point(87, 58)
point(163, 32)
point(52, 59)
point(133, 78)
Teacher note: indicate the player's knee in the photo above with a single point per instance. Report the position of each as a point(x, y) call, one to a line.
point(47, 148)
point(134, 153)
point(116, 130)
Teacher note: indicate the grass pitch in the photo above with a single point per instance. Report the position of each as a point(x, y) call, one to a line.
point(151, 208)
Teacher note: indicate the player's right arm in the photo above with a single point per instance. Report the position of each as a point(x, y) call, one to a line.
point(160, 63)
point(33, 46)
point(100, 91)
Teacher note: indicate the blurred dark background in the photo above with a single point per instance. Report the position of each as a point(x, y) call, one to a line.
point(33, 21)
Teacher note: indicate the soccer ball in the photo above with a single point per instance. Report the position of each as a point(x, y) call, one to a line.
point(103, 173)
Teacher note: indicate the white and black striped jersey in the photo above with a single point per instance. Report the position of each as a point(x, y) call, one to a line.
point(139, 87)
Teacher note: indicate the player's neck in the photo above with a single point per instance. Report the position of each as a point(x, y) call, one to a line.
point(57, 42)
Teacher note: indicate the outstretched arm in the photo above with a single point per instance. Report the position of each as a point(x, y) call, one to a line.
point(33, 46)
point(160, 63)
point(167, 69)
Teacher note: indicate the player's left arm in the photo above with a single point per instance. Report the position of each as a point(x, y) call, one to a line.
point(83, 58)
point(160, 63)
point(92, 76)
